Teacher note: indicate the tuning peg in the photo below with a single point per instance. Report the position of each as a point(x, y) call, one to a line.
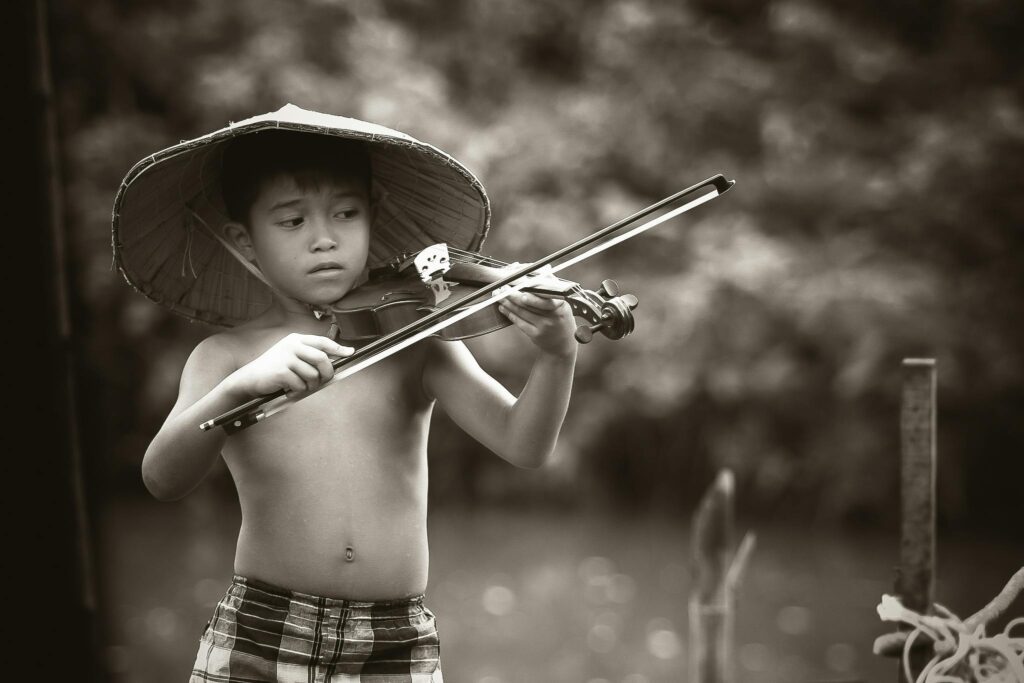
point(609, 289)
point(585, 333)
point(617, 318)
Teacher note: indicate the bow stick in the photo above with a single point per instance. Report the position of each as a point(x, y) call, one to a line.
point(263, 407)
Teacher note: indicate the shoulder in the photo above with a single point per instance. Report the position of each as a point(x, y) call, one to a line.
point(212, 360)
point(217, 354)
point(236, 346)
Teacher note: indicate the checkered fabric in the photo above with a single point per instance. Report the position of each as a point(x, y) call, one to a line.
point(263, 633)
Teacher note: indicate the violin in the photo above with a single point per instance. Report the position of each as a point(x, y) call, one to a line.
point(454, 298)
point(410, 287)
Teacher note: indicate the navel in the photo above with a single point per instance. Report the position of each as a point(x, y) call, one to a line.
point(350, 553)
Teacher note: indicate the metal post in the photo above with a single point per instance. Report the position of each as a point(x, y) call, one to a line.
point(915, 583)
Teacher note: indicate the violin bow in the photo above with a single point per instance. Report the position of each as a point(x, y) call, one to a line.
point(262, 407)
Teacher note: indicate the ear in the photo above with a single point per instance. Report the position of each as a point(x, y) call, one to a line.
point(239, 236)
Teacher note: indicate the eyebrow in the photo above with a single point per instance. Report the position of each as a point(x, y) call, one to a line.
point(288, 203)
point(341, 194)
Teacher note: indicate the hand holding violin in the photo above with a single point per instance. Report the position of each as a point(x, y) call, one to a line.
point(548, 322)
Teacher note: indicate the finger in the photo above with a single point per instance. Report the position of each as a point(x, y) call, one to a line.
point(293, 384)
point(306, 372)
point(518, 319)
point(328, 346)
point(319, 360)
point(536, 302)
point(523, 313)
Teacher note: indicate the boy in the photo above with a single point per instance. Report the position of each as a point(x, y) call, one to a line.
point(331, 560)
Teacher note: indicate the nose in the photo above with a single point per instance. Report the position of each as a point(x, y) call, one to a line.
point(321, 237)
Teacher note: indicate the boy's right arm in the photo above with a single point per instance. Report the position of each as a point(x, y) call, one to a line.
point(181, 454)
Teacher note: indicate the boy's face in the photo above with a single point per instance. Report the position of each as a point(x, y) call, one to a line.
point(310, 241)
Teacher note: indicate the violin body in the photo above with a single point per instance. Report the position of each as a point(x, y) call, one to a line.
point(388, 303)
point(379, 308)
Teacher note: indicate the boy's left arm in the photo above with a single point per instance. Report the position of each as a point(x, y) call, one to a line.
point(521, 430)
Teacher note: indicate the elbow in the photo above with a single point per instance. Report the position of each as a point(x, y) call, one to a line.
point(534, 462)
point(157, 486)
point(530, 459)
point(158, 489)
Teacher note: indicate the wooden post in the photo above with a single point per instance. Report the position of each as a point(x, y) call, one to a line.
point(45, 491)
point(716, 573)
point(915, 582)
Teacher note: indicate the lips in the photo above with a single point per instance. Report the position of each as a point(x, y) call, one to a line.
point(326, 265)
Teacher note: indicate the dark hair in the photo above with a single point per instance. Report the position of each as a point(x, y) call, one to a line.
point(252, 159)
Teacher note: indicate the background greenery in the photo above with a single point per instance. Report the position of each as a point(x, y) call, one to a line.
point(877, 148)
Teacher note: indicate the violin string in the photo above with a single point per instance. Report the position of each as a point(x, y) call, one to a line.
point(461, 256)
point(473, 257)
point(464, 255)
point(479, 258)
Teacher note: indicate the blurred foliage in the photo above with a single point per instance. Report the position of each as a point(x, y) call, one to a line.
point(878, 149)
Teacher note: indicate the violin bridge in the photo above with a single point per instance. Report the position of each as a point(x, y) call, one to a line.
point(431, 265)
point(432, 262)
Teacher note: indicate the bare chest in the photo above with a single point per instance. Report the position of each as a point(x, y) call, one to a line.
point(369, 426)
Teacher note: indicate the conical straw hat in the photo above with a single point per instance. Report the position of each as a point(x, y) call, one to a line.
point(169, 212)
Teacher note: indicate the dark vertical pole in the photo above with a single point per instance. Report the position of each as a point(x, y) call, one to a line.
point(43, 478)
point(915, 584)
point(62, 312)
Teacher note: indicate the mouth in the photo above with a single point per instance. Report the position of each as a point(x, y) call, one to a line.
point(326, 267)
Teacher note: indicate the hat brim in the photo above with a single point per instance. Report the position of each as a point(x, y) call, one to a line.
point(169, 201)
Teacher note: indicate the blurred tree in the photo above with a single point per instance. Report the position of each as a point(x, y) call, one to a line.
point(877, 146)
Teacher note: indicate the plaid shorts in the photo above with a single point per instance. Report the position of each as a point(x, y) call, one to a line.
point(264, 633)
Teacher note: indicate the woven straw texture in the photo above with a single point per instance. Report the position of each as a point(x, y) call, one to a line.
point(170, 201)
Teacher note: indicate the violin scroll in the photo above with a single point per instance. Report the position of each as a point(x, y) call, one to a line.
point(615, 320)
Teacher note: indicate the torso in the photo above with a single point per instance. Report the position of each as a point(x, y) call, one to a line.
point(333, 491)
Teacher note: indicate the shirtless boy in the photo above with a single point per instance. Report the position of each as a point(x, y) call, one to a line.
point(331, 560)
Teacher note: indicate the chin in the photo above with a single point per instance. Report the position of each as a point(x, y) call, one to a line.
point(326, 297)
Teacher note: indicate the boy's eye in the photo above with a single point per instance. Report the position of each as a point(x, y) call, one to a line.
point(347, 213)
point(293, 222)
